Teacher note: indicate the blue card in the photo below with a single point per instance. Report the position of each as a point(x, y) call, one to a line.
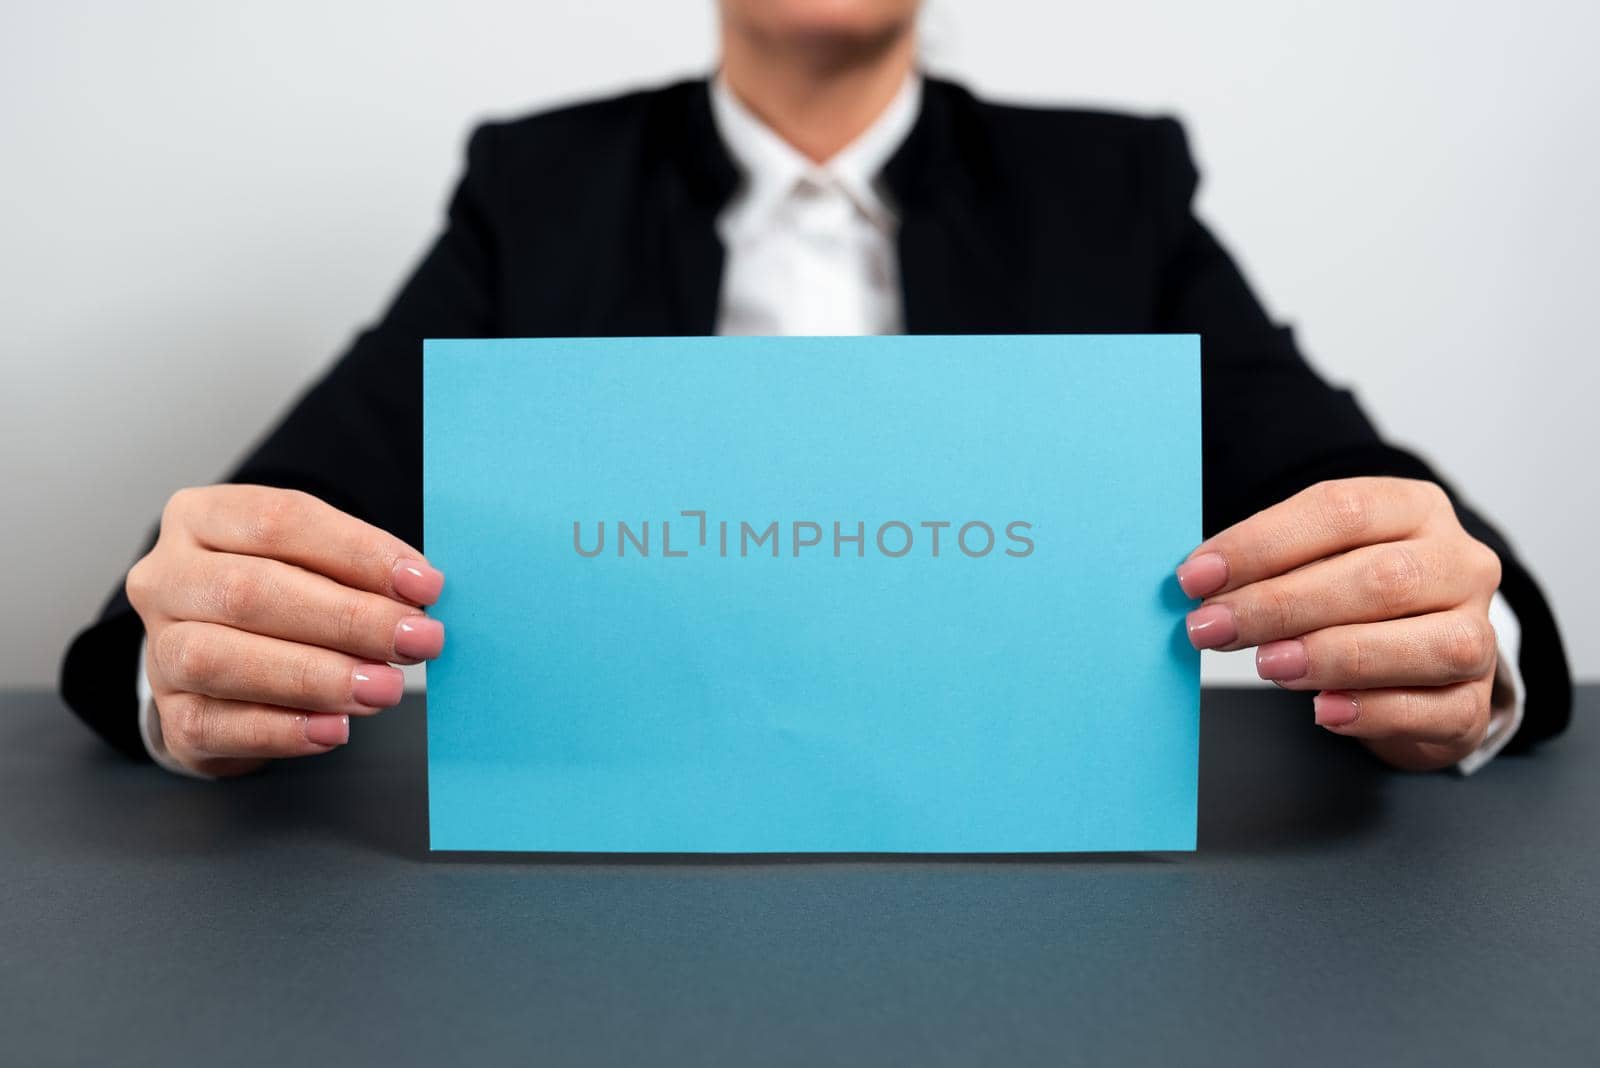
point(891, 594)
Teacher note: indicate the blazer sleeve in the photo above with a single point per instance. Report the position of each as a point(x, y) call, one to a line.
point(1272, 426)
point(353, 439)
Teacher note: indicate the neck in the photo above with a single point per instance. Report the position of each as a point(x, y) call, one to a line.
point(820, 95)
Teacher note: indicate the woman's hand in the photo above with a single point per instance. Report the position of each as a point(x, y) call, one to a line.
point(271, 618)
point(1369, 591)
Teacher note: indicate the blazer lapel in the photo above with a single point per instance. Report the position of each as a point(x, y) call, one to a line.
point(960, 242)
point(693, 179)
point(663, 276)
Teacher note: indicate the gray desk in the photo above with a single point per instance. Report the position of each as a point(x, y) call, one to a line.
point(1336, 914)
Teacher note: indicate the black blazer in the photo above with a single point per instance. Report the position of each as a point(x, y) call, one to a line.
point(599, 220)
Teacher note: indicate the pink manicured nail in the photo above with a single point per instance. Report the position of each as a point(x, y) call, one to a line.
point(418, 637)
point(417, 581)
point(377, 685)
point(1282, 661)
point(1204, 575)
point(1335, 709)
point(1211, 626)
point(327, 730)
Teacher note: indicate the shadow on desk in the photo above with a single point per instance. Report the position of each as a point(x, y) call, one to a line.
point(1270, 782)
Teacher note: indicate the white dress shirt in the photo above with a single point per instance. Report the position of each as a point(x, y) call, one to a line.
point(810, 249)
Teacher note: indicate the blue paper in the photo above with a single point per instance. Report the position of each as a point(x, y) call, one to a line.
point(1025, 690)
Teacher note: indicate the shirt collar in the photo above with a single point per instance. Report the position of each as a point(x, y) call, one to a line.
point(772, 167)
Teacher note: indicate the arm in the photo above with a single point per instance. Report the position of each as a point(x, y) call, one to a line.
point(1273, 427)
point(352, 440)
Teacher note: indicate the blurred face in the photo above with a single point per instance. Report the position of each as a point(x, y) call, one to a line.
point(826, 23)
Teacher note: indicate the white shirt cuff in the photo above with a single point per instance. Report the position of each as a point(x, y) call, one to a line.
point(1505, 712)
point(150, 724)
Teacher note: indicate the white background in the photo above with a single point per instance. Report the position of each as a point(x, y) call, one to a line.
point(203, 200)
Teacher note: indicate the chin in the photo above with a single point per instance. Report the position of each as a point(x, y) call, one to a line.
point(822, 20)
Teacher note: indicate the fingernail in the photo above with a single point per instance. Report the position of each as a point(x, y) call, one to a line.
point(1282, 661)
point(377, 685)
point(418, 637)
point(417, 581)
point(1335, 709)
point(1204, 575)
point(327, 730)
point(1211, 626)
